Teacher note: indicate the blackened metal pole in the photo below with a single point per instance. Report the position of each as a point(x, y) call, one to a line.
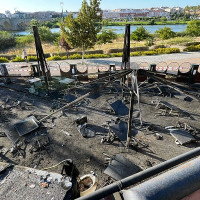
point(126, 49)
point(130, 119)
point(40, 55)
point(126, 53)
point(136, 178)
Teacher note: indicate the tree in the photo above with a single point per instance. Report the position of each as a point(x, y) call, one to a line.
point(104, 22)
point(193, 28)
point(140, 34)
point(165, 33)
point(44, 32)
point(81, 32)
point(7, 40)
point(62, 42)
point(106, 37)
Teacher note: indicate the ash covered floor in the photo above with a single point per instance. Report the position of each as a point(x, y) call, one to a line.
point(58, 138)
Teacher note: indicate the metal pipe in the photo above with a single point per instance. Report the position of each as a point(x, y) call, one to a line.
point(174, 86)
point(131, 180)
point(86, 95)
point(130, 119)
point(16, 76)
point(174, 184)
point(98, 80)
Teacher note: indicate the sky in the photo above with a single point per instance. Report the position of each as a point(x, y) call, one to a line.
point(74, 5)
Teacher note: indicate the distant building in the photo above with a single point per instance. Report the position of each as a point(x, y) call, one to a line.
point(2, 15)
point(108, 14)
point(19, 15)
point(174, 9)
point(131, 13)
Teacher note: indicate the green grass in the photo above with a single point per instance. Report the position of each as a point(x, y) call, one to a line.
point(26, 39)
point(178, 40)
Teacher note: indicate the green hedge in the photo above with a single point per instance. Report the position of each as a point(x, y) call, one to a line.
point(136, 53)
point(75, 56)
point(192, 48)
point(57, 58)
point(191, 44)
point(78, 52)
point(3, 60)
point(119, 54)
point(133, 49)
point(157, 46)
point(7, 40)
point(96, 56)
point(116, 54)
point(156, 52)
point(78, 56)
point(18, 59)
point(8, 56)
point(32, 58)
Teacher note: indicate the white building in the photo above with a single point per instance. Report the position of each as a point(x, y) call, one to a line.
point(2, 15)
point(108, 14)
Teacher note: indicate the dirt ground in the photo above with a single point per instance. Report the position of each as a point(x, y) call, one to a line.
point(59, 138)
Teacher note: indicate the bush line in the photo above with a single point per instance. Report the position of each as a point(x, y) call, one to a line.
point(89, 56)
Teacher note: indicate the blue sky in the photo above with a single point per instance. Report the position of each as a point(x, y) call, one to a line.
point(74, 5)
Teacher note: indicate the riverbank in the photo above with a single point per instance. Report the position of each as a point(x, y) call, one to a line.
point(152, 22)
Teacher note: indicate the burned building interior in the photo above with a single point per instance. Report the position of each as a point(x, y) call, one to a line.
point(64, 136)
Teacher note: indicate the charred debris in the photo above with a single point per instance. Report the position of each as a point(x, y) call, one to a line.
point(122, 85)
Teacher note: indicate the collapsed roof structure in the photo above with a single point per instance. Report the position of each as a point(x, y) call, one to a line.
point(126, 83)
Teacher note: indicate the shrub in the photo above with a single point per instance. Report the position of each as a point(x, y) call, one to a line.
point(158, 46)
point(75, 56)
point(63, 57)
point(139, 49)
point(136, 53)
point(54, 58)
point(26, 39)
point(167, 50)
point(96, 56)
point(174, 50)
point(46, 34)
point(3, 60)
point(178, 40)
point(140, 34)
point(181, 34)
point(18, 59)
point(149, 41)
point(193, 28)
point(110, 51)
point(192, 44)
point(106, 37)
point(116, 54)
point(8, 56)
point(149, 53)
point(165, 33)
point(6, 40)
point(78, 52)
point(192, 48)
point(32, 58)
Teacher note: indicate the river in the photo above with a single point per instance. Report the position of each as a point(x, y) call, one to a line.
point(121, 29)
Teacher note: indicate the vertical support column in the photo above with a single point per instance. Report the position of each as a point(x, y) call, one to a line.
point(73, 69)
point(126, 50)
point(193, 74)
point(40, 56)
point(4, 72)
point(126, 53)
point(130, 119)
